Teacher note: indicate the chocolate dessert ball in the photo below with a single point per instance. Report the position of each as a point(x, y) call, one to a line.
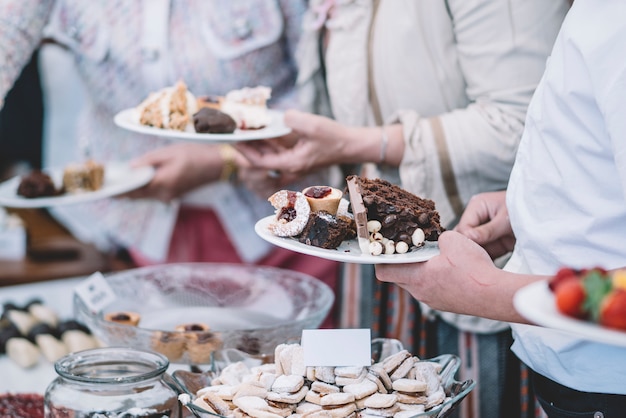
point(213, 121)
point(37, 184)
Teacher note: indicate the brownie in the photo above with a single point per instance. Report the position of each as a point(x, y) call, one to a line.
point(37, 184)
point(399, 211)
point(213, 121)
point(324, 230)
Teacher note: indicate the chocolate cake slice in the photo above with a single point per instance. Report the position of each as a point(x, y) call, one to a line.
point(399, 211)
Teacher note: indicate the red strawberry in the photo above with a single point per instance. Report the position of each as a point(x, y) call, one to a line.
point(560, 276)
point(613, 310)
point(570, 295)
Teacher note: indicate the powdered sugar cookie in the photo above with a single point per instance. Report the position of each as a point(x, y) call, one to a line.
point(292, 213)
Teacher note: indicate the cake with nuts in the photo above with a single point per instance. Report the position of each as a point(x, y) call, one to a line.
point(386, 212)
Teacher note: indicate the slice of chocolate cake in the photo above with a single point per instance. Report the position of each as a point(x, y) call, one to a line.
point(399, 211)
point(324, 230)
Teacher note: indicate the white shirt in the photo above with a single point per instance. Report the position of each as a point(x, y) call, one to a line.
point(566, 195)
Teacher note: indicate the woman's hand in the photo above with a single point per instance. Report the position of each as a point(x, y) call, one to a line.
point(486, 221)
point(315, 142)
point(179, 168)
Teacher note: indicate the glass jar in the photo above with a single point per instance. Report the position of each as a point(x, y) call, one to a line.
point(111, 382)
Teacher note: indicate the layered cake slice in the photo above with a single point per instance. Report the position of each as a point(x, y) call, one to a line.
point(168, 108)
point(380, 207)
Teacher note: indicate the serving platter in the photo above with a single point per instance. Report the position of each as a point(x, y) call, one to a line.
point(119, 178)
point(129, 119)
point(455, 391)
point(348, 251)
point(536, 303)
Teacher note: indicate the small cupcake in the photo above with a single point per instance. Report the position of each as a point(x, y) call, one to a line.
point(200, 342)
point(324, 198)
point(123, 318)
point(170, 344)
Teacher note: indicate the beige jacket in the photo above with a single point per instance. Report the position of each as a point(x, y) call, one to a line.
point(458, 75)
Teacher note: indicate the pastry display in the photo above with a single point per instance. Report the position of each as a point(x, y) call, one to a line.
point(400, 385)
point(212, 121)
point(391, 218)
point(25, 337)
point(37, 184)
point(595, 295)
point(248, 106)
point(323, 198)
point(47, 339)
point(85, 177)
point(168, 108)
point(123, 318)
point(384, 218)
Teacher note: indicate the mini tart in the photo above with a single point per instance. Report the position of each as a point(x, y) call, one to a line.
point(292, 213)
point(170, 344)
point(324, 198)
point(123, 318)
point(200, 343)
point(192, 327)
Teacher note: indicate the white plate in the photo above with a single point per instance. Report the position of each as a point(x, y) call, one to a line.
point(129, 120)
point(348, 251)
point(536, 303)
point(118, 178)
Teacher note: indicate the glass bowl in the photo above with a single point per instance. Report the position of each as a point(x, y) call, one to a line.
point(248, 308)
point(190, 382)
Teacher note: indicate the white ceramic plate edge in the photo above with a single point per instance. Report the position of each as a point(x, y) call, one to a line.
point(119, 178)
point(127, 119)
point(535, 302)
point(348, 251)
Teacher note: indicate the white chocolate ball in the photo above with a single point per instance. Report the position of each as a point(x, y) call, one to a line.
point(418, 237)
point(402, 247)
point(373, 226)
point(376, 248)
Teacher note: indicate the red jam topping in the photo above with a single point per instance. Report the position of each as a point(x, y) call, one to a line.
point(318, 192)
point(194, 327)
point(288, 213)
point(120, 317)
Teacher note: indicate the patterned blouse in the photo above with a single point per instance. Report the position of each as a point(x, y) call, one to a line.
point(123, 53)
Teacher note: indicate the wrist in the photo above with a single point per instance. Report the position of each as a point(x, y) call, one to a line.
point(229, 166)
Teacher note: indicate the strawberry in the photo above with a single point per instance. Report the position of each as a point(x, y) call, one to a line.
point(570, 296)
point(560, 276)
point(613, 310)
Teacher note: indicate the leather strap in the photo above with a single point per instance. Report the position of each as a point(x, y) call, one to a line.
point(447, 171)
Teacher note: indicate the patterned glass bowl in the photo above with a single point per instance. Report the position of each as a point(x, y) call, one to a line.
point(247, 308)
point(189, 382)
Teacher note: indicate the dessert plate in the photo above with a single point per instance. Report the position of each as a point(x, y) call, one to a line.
point(129, 119)
point(118, 178)
point(348, 251)
point(536, 303)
